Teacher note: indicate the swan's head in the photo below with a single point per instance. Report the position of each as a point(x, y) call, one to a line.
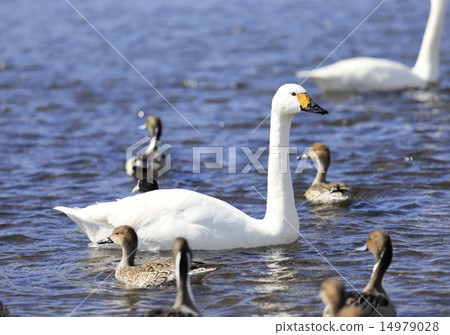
point(292, 99)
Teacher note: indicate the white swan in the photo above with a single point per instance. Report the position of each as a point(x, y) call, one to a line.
point(363, 74)
point(209, 223)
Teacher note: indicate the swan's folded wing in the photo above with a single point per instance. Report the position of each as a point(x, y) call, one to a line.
point(363, 74)
point(161, 216)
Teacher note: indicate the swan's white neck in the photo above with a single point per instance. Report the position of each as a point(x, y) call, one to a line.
point(427, 65)
point(281, 213)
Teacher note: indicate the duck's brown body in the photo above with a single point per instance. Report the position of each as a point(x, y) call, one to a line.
point(152, 274)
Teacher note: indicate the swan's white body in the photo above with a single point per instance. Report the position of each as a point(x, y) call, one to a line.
point(158, 216)
point(161, 216)
point(364, 74)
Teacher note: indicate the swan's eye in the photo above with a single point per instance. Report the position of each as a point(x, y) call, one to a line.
point(293, 94)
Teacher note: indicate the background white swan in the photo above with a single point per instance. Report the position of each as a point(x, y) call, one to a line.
point(209, 223)
point(375, 74)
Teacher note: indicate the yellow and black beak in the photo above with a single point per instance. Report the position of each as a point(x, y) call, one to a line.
point(308, 105)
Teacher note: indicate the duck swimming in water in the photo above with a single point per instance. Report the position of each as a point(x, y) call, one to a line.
point(151, 274)
point(373, 301)
point(148, 163)
point(184, 303)
point(321, 191)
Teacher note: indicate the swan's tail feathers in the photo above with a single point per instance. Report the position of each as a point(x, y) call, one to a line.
point(96, 227)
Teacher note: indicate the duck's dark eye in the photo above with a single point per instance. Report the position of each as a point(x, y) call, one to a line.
point(293, 94)
point(117, 233)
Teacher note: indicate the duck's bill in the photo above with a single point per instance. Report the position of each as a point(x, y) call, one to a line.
point(142, 126)
point(362, 248)
point(308, 105)
point(106, 240)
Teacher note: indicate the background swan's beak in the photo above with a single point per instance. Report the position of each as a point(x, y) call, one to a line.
point(106, 240)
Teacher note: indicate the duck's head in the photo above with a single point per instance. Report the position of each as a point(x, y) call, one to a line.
point(180, 245)
point(154, 125)
point(122, 235)
point(320, 152)
point(332, 293)
point(292, 99)
point(378, 242)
